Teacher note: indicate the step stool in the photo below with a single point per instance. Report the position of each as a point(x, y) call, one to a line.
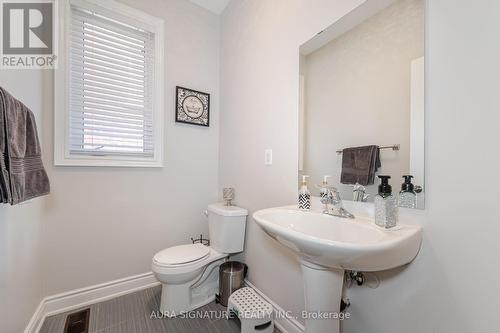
point(254, 313)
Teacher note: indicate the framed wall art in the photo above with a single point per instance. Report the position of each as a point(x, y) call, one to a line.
point(192, 107)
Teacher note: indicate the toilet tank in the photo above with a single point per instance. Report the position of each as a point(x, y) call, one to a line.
point(226, 227)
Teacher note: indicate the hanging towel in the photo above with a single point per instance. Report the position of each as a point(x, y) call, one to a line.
point(359, 165)
point(22, 174)
point(5, 195)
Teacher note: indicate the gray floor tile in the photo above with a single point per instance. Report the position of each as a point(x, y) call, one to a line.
point(131, 326)
point(107, 314)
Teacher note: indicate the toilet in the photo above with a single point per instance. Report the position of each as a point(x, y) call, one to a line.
point(189, 273)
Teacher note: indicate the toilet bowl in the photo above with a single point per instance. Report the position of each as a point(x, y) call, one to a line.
point(189, 273)
point(179, 268)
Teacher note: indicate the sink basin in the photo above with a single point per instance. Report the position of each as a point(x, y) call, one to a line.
point(353, 244)
point(327, 245)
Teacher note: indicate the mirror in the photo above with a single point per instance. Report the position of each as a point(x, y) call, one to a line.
point(362, 84)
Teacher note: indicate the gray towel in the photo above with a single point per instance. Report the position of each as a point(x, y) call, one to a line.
point(22, 175)
point(359, 165)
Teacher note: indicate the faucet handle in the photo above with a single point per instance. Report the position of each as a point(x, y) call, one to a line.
point(359, 193)
point(333, 190)
point(332, 195)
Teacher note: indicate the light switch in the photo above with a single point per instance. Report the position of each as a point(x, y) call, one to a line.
point(268, 157)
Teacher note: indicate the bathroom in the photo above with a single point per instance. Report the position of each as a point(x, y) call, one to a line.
point(100, 226)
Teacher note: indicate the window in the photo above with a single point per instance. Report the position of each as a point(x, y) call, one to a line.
point(112, 81)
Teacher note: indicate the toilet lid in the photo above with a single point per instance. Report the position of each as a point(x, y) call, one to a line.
point(181, 254)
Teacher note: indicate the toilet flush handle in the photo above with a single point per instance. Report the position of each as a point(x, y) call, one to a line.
point(205, 212)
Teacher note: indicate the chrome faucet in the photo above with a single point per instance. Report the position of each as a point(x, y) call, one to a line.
point(359, 193)
point(333, 204)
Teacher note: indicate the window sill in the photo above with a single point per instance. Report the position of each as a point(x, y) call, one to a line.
point(108, 161)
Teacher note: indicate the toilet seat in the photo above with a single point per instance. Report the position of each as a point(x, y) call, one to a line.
point(181, 255)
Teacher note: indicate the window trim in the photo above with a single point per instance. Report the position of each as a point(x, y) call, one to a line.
point(62, 155)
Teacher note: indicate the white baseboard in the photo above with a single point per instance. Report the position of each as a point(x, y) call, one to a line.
point(78, 298)
point(36, 320)
point(283, 323)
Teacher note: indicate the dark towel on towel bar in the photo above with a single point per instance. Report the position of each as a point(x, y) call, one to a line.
point(22, 176)
point(359, 165)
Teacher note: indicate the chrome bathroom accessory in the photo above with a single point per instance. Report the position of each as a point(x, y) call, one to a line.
point(333, 204)
point(393, 147)
point(359, 193)
point(232, 276)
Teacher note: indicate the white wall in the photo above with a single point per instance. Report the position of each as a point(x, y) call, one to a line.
point(21, 225)
point(102, 224)
point(358, 93)
point(452, 285)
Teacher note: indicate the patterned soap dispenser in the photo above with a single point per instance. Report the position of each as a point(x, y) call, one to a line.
point(323, 188)
point(304, 195)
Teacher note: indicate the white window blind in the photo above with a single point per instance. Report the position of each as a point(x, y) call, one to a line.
point(111, 66)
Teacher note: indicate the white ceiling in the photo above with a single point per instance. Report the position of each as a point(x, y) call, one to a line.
point(215, 6)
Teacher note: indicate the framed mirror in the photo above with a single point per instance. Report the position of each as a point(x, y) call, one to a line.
point(361, 101)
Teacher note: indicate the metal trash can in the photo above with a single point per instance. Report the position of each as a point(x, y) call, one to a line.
point(231, 278)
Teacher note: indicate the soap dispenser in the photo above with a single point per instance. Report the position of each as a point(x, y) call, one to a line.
point(323, 188)
point(407, 195)
point(304, 195)
point(386, 207)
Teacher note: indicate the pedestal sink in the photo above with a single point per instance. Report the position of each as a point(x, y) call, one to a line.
point(326, 245)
